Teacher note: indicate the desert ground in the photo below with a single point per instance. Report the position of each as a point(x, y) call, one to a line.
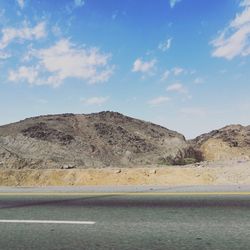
point(203, 173)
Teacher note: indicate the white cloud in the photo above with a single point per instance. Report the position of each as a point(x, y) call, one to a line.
point(234, 39)
point(198, 80)
point(164, 46)
point(241, 19)
point(95, 100)
point(245, 3)
point(173, 2)
point(177, 87)
point(79, 3)
point(21, 3)
point(56, 30)
point(165, 75)
point(24, 73)
point(28, 56)
point(158, 100)
point(65, 60)
point(24, 33)
point(177, 71)
point(143, 67)
point(69, 8)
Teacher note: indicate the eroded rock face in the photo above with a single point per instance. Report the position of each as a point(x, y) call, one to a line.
point(41, 131)
point(118, 136)
point(228, 143)
point(94, 140)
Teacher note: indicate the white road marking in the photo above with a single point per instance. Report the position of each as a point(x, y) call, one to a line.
point(49, 222)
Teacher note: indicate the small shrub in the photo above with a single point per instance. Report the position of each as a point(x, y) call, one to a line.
point(189, 161)
point(165, 161)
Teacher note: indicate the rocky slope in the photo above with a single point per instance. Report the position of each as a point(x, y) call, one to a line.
point(94, 140)
point(228, 143)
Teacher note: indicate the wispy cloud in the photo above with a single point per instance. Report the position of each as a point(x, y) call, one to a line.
point(97, 100)
point(165, 75)
point(245, 3)
point(65, 60)
point(173, 2)
point(79, 3)
point(234, 39)
point(165, 45)
point(198, 80)
point(56, 30)
point(21, 3)
point(71, 6)
point(177, 71)
point(158, 101)
point(177, 87)
point(23, 73)
point(24, 33)
point(174, 72)
point(144, 67)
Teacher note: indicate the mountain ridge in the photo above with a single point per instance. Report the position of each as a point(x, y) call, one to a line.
point(111, 139)
point(90, 140)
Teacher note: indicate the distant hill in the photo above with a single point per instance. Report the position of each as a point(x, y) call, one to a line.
point(228, 143)
point(92, 140)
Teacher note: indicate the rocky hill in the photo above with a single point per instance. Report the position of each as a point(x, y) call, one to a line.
point(93, 140)
point(228, 143)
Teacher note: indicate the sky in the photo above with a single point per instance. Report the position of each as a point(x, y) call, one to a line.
point(183, 64)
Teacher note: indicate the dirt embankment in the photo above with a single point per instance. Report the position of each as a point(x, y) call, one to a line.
point(203, 174)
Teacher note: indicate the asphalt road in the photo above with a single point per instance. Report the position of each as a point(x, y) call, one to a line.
point(125, 221)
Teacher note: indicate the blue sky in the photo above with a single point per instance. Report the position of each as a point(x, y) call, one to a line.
point(183, 64)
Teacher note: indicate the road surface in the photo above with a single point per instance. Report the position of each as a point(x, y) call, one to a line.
point(125, 218)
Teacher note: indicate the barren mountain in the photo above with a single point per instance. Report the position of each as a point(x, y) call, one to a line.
point(93, 140)
point(228, 143)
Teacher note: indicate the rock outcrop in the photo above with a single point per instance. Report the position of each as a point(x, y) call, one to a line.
point(228, 143)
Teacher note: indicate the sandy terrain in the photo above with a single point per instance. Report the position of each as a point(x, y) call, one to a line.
point(205, 173)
